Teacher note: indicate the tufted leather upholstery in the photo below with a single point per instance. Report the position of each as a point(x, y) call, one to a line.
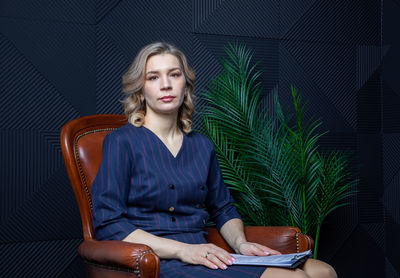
point(81, 144)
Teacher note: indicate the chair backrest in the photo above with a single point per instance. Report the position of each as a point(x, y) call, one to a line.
point(81, 144)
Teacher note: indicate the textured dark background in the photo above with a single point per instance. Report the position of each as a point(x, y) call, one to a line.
point(63, 59)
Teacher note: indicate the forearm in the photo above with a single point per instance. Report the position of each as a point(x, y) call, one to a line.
point(206, 254)
point(163, 247)
point(233, 232)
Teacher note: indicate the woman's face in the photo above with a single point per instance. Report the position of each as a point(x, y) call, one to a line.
point(164, 84)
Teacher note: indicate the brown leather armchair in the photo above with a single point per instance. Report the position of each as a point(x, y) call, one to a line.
point(81, 143)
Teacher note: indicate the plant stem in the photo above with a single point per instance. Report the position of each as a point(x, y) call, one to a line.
point(316, 241)
point(291, 218)
point(305, 228)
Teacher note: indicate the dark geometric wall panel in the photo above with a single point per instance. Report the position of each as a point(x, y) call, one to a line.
point(231, 17)
point(391, 111)
point(390, 270)
point(71, 11)
point(371, 180)
point(344, 223)
point(61, 52)
point(202, 9)
point(369, 107)
point(344, 22)
point(392, 231)
point(290, 13)
point(39, 104)
point(37, 258)
point(111, 64)
point(267, 55)
point(64, 59)
point(74, 269)
point(132, 24)
point(42, 210)
point(350, 262)
point(104, 7)
point(391, 61)
point(294, 72)
point(391, 133)
point(391, 166)
point(391, 149)
point(29, 159)
point(377, 233)
point(331, 68)
point(207, 64)
point(369, 58)
point(391, 198)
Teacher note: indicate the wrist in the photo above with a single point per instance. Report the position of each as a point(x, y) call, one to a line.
point(180, 250)
point(238, 243)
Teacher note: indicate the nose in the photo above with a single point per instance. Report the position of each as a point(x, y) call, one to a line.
point(165, 83)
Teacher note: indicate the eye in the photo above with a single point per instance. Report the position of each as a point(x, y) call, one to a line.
point(152, 77)
point(176, 74)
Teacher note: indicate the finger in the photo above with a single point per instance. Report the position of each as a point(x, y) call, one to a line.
point(207, 262)
point(275, 252)
point(255, 249)
point(268, 250)
point(225, 258)
point(251, 249)
point(214, 248)
point(258, 250)
point(223, 255)
point(214, 259)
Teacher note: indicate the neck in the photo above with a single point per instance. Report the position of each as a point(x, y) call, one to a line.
point(164, 125)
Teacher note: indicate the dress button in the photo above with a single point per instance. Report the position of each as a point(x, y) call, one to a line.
point(171, 209)
point(171, 186)
point(198, 206)
point(173, 219)
point(202, 187)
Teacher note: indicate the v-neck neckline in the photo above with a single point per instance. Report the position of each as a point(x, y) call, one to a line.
point(165, 146)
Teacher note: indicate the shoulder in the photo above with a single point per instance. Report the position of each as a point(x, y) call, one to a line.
point(201, 140)
point(127, 130)
point(123, 135)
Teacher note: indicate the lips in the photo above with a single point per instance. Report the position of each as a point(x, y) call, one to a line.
point(167, 98)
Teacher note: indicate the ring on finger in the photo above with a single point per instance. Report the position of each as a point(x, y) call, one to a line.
point(206, 255)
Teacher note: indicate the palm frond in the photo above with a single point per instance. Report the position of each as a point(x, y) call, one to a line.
point(270, 161)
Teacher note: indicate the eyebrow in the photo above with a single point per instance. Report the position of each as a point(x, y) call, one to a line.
point(156, 71)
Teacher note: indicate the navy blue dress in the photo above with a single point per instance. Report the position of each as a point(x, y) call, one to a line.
point(141, 185)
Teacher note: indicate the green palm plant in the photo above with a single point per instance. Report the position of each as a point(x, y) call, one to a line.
point(273, 167)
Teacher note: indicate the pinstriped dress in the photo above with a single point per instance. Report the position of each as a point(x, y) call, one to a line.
point(141, 185)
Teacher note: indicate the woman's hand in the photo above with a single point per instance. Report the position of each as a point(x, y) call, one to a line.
point(255, 249)
point(208, 255)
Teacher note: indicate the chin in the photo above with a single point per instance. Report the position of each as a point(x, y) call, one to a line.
point(168, 111)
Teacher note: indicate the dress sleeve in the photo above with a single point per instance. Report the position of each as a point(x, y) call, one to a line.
point(219, 200)
point(110, 190)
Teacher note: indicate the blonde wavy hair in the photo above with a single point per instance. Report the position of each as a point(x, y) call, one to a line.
point(133, 81)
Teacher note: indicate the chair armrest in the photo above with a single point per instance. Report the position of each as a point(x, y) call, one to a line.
point(281, 238)
point(120, 255)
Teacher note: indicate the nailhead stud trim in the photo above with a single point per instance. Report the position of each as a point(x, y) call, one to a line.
point(137, 270)
point(79, 161)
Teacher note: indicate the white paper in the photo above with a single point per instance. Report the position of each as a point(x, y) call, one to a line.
point(273, 260)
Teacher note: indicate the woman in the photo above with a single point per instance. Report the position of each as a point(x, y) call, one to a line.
point(158, 181)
